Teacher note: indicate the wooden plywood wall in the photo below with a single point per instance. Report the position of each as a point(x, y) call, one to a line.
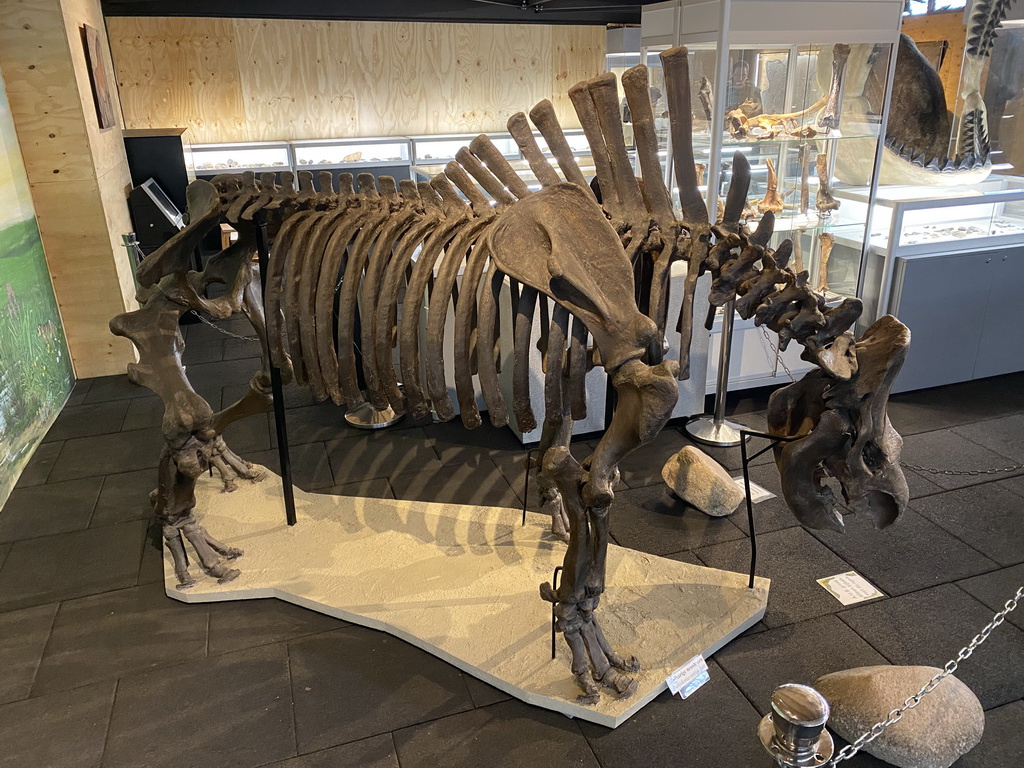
point(78, 174)
point(250, 79)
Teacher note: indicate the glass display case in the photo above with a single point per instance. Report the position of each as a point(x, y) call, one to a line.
point(326, 154)
point(798, 88)
point(259, 156)
point(927, 220)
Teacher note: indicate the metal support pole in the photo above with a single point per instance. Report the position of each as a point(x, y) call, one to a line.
point(276, 386)
point(794, 733)
point(715, 430)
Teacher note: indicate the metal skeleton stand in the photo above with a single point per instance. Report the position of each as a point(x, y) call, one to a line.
point(746, 434)
point(714, 429)
point(276, 387)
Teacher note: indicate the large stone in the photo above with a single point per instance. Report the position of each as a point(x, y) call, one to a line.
point(701, 481)
point(946, 724)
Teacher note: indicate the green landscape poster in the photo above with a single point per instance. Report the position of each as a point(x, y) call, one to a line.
point(35, 367)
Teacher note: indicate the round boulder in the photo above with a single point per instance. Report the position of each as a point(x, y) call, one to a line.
point(701, 481)
point(947, 723)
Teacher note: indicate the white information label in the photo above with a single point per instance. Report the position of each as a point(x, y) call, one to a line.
point(757, 493)
point(689, 677)
point(850, 587)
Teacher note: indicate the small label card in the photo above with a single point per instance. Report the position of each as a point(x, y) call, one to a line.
point(757, 493)
point(689, 677)
point(850, 587)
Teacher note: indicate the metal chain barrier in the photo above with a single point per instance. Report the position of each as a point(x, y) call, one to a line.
point(965, 472)
point(222, 330)
point(951, 666)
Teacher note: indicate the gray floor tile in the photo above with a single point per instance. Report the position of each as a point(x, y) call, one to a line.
point(229, 711)
point(4, 551)
point(714, 728)
point(249, 623)
point(71, 565)
point(43, 510)
point(989, 518)
point(911, 554)
point(23, 637)
point(1015, 484)
point(381, 455)
point(368, 489)
point(107, 454)
point(481, 484)
point(1005, 435)
point(483, 695)
point(125, 496)
point(770, 514)
point(203, 351)
point(103, 637)
point(919, 484)
point(506, 735)
point(116, 387)
point(241, 349)
point(643, 466)
point(943, 407)
point(799, 653)
point(87, 420)
point(684, 557)
point(374, 752)
point(151, 569)
point(654, 520)
point(38, 468)
point(793, 560)
point(316, 423)
point(457, 445)
point(209, 377)
point(1002, 744)
point(311, 468)
point(931, 626)
point(354, 682)
point(249, 435)
point(143, 413)
point(996, 588)
point(945, 449)
point(62, 730)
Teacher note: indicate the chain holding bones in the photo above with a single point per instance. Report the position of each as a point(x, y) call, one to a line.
point(951, 666)
point(222, 330)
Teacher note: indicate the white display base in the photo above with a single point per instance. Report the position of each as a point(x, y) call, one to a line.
point(461, 582)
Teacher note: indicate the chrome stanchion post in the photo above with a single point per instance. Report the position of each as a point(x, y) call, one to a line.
point(794, 732)
point(715, 430)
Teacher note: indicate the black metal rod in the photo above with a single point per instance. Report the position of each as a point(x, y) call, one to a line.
point(276, 386)
point(526, 483)
point(750, 507)
point(773, 441)
point(554, 631)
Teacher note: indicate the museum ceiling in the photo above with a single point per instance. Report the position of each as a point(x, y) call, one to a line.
point(503, 11)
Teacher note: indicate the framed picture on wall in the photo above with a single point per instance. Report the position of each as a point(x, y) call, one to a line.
point(97, 61)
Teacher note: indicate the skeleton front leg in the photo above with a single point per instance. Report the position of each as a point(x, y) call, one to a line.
point(174, 501)
point(581, 586)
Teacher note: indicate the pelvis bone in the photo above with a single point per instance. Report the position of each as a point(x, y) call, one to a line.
point(844, 433)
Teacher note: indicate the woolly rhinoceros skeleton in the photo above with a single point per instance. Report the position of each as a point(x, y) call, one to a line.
point(555, 244)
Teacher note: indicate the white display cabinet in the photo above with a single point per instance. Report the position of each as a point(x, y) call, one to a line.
point(755, 59)
point(258, 157)
point(350, 154)
point(912, 221)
